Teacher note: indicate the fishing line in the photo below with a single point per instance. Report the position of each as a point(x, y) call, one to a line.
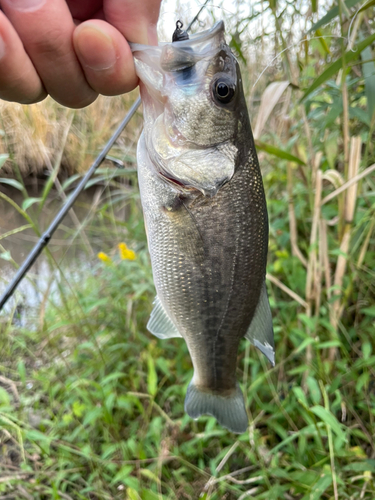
point(226, 10)
point(346, 38)
point(352, 21)
point(47, 235)
point(291, 47)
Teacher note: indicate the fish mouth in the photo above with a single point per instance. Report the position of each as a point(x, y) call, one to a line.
point(175, 57)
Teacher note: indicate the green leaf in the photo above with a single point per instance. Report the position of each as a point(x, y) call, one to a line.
point(369, 311)
point(111, 376)
point(314, 390)
point(329, 343)
point(337, 65)
point(152, 378)
point(367, 6)
point(4, 397)
point(329, 419)
point(322, 41)
point(28, 202)
point(150, 495)
point(78, 409)
point(300, 395)
point(304, 344)
point(320, 486)
point(369, 75)
point(309, 430)
point(92, 416)
point(21, 370)
point(331, 149)
point(309, 322)
point(37, 437)
point(236, 45)
point(123, 473)
point(272, 150)
point(3, 159)
point(49, 185)
point(70, 181)
point(334, 112)
point(6, 256)
point(360, 114)
point(12, 182)
point(334, 12)
point(361, 466)
point(366, 350)
point(150, 475)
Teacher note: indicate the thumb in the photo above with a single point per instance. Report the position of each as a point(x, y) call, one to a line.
point(135, 19)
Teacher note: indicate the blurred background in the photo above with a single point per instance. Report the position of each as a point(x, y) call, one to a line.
point(91, 405)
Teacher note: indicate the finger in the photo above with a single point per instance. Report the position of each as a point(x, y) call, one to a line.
point(19, 80)
point(46, 29)
point(135, 19)
point(84, 9)
point(105, 57)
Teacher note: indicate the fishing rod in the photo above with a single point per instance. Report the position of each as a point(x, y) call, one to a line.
point(47, 235)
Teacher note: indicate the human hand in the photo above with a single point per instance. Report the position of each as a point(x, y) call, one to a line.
point(71, 49)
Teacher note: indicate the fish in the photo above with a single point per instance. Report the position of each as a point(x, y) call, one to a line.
point(205, 215)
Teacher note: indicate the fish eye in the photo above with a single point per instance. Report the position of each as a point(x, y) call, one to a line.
point(223, 90)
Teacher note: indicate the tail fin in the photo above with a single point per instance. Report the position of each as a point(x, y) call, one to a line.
point(229, 411)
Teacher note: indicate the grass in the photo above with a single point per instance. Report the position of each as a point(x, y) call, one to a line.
point(91, 405)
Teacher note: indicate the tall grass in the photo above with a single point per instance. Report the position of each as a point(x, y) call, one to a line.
point(91, 406)
point(32, 135)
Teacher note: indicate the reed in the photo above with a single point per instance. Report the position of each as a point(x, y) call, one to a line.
point(32, 135)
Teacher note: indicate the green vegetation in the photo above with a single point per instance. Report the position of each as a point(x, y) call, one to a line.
point(91, 405)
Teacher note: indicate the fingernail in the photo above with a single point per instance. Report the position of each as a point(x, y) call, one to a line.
point(26, 5)
point(2, 48)
point(95, 48)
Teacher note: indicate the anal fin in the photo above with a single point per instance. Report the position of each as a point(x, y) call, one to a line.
point(160, 324)
point(260, 332)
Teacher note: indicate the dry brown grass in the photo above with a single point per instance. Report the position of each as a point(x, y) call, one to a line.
point(31, 135)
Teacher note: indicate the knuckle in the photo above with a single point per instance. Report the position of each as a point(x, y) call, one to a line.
point(55, 44)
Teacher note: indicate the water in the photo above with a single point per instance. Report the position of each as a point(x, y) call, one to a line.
point(74, 251)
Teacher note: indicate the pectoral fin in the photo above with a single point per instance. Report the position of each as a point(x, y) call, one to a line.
point(160, 324)
point(260, 332)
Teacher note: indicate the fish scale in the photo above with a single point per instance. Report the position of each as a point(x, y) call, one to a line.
point(207, 230)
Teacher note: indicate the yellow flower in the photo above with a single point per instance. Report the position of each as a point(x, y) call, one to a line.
point(125, 252)
point(105, 258)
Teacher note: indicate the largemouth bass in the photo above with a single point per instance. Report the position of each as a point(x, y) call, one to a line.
point(205, 214)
